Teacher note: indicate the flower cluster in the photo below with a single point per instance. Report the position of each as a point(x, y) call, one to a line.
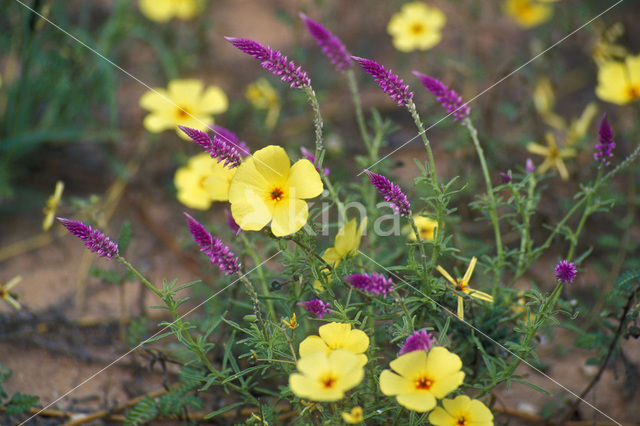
point(389, 82)
point(447, 97)
point(418, 341)
point(214, 248)
point(316, 307)
point(375, 283)
point(566, 271)
point(331, 45)
point(93, 239)
point(221, 147)
point(604, 149)
point(391, 193)
point(274, 61)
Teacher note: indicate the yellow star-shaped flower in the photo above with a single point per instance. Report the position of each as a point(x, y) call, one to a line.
point(462, 285)
point(553, 156)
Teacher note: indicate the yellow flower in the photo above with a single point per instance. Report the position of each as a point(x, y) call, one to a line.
point(605, 47)
point(52, 206)
point(202, 181)
point(426, 227)
point(354, 417)
point(266, 188)
point(553, 156)
point(163, 10)
point(262, 95)
point(461, 411)
point(422, 377)
point(335, 336)
point(326, 377)
point(619, 82)
point(346, 244)
point(528, 13)
point(462, 285)
point(416, 27)
point(292, 323)
point(184, 102)
point(6, 295)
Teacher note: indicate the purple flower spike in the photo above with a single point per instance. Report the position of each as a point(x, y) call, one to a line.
point(316, 307)
point(448, 98)
point(274, 61)
point(418, 341)
point(309, 156)
point(331, 45)
point(566, 271)
point(529, 167)
point(391, 192)
point(375, 283)
point(235, 228)
point(215, 146)
point(604, 149)
point(231, 137)
point(505, 177)
point(93, 239)
point(217, 251)
point(389, 82)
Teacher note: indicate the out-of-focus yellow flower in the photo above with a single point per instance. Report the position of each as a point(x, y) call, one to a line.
point(579, 127)
point(553, 155)
point(462, 285)
point(291, 323)
point(354, 417)
point(262, 95)
point(326, 377)
point(528, 13)
point(184, 102)
point(544, 100)
point(605, 48)
point(416, 27)
point(335, 336)
point(163, 10)
point(202, 181)
point(461, 411)
point(520, 307)
point(419, 377)
point(426, 227)
point(267, 188)
point(6, 295)
point(619, 82)
point(52, 205)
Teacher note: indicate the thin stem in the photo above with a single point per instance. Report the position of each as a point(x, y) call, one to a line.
point(334, 196)
point(140, 276)
point(421, 242)
point(585, 214)
point(355, 95)
point(263, 281)
point(526, 209)
point(493, 206)
point(317, 124)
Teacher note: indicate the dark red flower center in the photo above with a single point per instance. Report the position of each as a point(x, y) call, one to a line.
point(276, 194)
point(423, 383)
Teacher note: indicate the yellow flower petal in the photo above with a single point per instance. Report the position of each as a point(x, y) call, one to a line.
point(156, 123)
point(481, 295)
point(304, 180)
point(407, 364)
point(289, 216)
point(214, 101)
point(393, 384)
point(472, 266)
point(535, 148)
point(439, 417)
point(460, 310)
point(355, 416)
point(185, 92)
point(155, 100)
point(272, 163)
point(311, 345)
point(447, 276)
point(419, 402)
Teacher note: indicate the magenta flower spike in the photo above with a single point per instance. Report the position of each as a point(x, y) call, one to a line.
point(389, 82)
point(529, 167)
point(218, 253)
point(418, 341)
point(232, 138)
point(604, 149)
point(391, 193)
point(566, 271)
point(316, 307)
point(312, 158)
point(448, 98)
point(376, 284)
point(274, 61)
point(215, 146)
point(331, 45)
point(93, 239)
point(505, 177)
point(231, 222)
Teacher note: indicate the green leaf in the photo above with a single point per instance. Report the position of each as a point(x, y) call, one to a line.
point(20, 403)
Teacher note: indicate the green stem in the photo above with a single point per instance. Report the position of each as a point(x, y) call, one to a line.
point(431, 169)
point(585, 214)
point(334, 197)
point(355, 95)
point(140, 276)
point(317, 124)
point(493, 206)
point(526, 209)
point(421, 242)
point(261, 277)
